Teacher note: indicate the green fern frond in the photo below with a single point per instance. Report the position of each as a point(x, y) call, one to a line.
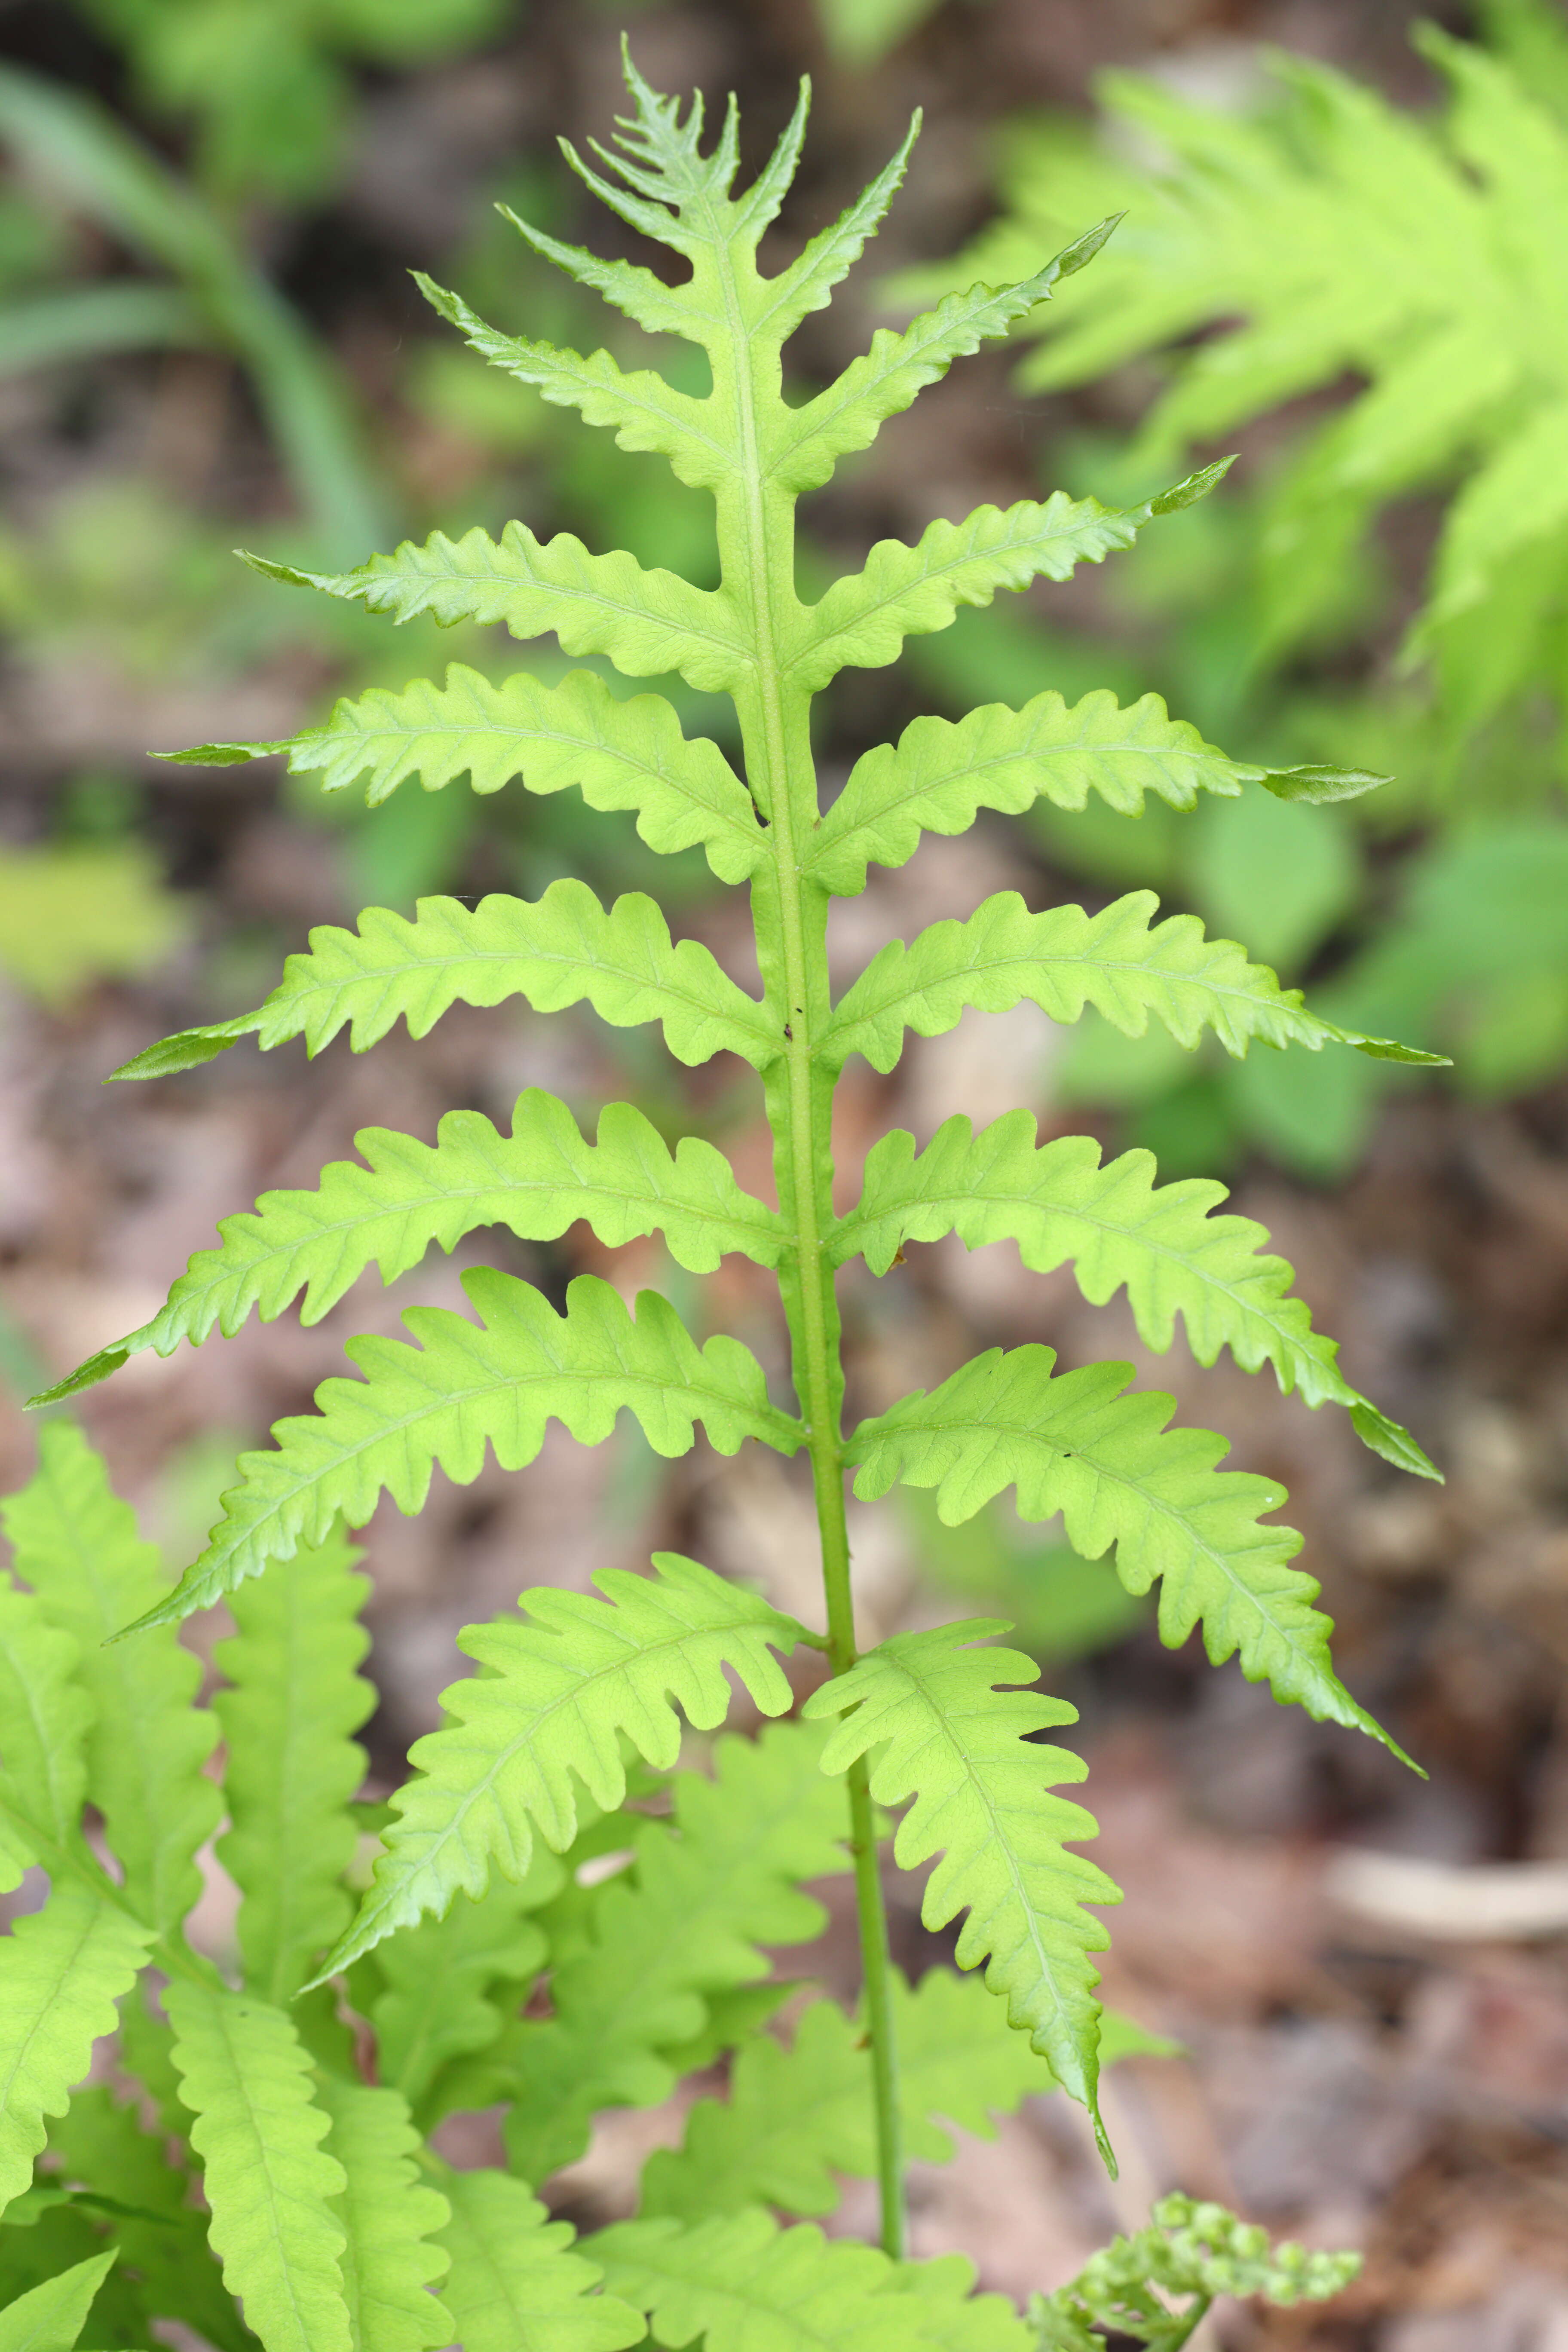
point(951, 2317)
point(537, 1181)
point(465, 1385)
point(50, 2317)
point(906, 592)
point(557, 1696)
point(436, 2003)
point(45, 1718)
point(1062, 960)
point(515, 2286)
point(76, 1544)
point(648, 622)
point(293, 1701)
point(741, 2281)
point(62, 1970)
point(391, 2257)
point(269, 2183)
point(1108, 1462)
point(619, 754)
point(1116, 1225)
point(725, 1880)
point(946, 1734)
point(556, 950)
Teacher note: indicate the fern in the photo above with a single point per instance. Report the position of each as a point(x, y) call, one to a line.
point(62, 1970)
point(554, 1989)
point(50, 2318)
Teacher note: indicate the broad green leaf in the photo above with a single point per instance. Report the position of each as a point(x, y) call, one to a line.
point(538, 1182)
point(559, 1694)
point(464, 1385)
point(50, 2318)
point(515, 2286)
point(390, 2220)
point(1115, 1225)
point(556, 950)
point(905, 592)
point(442, 1984)
point(707, 1893)
point(76, 1544)
point(646, 622)
point(620, 754)
point(292, 1702)
point(62, 1970)
point(743, 2284)
point(852, 410)
point(933, 1713)
point(941, 772)
point(1062, 960)
point(269, 2183)
point(1077, 1444)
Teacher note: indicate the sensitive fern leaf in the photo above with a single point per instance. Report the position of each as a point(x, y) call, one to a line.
point(725, 1881)
point(437, 1982)
point(62, 1970)
point(498, 1381)
point(514, 2284)
point(76, 1543)
point(1107, 1461)
point(1116, 1225)
point(389, 2219)
point(50, 2317)
point(45, 1719)
point(538, 1182)
point(556, 950)
point(779, 304)
point(948, 1736)
point(740, 2281)
point(269, 2183)
point(292, 1702)
point(557, 1697)
point(620, 755)
point(1062, 960)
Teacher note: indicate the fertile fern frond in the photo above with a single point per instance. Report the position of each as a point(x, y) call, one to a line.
point(556, 950)
point(537, 1181)
point(619, 754)
point(907, 592)
point(271, 2184)
point(933, 1712)
point(293, 1701)
point(941, 773)
point(76, 1544)
point(62, 1970)
point(723, 1881)
point(1077, 1444)
point(437, 1980)
point(50, 2317)
point(646, 622)
point(465, 1385)
point(1115, 1225)
point(390, 2218)
point(515, 2286)
point(557, 1697)
point(1062, 960)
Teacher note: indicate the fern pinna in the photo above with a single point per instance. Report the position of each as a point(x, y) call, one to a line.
point(327, 2218)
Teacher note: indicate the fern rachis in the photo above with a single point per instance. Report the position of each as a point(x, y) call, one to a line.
point(663, 1962)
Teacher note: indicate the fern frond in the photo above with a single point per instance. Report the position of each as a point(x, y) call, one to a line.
point(62, 1970)
point(538, 1182)
point(515, 2286)
point(907, 592)
point(391, 2257)
point(1116, 1225)
point(1062, 960)
point(646, 622)
point(50, 2317)
point(293, 1701)
point(269, 2183)
point(741, 2282)
point(852, 410)
point(619, 754)
point(951, 2317)
point(725, 1881)
point(76, 1544)
point(45, 1718)
point(941, 772)
point(1107, 1461)
point(560, 949)
point(464, 1385)
point(947, 1734)
point(437, 1980)
point(557, 1697)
